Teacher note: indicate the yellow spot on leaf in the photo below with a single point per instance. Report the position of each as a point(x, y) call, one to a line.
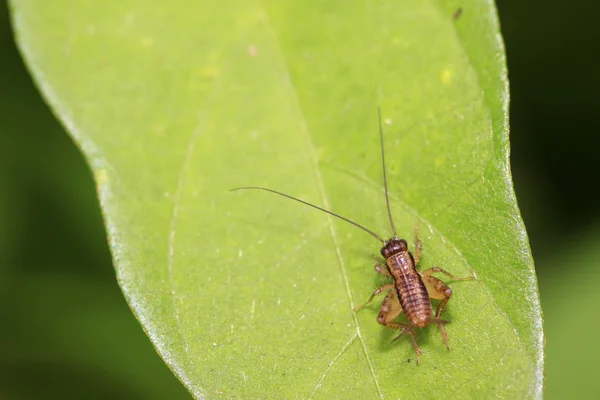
point(209, 72)
point(447, 75)
point(147, 41)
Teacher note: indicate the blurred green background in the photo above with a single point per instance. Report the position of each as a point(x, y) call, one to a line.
point(68, 333)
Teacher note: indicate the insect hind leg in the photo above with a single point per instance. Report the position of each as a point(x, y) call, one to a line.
point(437, 289)
point(390, 309)
point(410, 331)
point(442, 323)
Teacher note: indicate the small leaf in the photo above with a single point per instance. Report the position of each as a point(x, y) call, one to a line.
point(249, 295)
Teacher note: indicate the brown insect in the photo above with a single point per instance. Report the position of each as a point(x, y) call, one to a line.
point(411, 290)
point(456, 15)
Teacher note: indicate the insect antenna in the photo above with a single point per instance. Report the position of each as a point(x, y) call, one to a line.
point(387, 198)
point(376, 236)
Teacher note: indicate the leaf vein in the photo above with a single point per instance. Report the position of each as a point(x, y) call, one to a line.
point(342, 265)
point(171, 241)
point(332, 363)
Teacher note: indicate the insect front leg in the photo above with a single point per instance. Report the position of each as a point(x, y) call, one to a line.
point(377, 291)
point(382, 269)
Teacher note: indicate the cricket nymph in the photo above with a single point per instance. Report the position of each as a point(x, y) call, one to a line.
point(410, 289)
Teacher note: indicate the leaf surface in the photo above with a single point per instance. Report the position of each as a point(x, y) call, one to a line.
point(246, 294)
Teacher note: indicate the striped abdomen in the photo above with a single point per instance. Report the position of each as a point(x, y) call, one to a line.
point(411, 291)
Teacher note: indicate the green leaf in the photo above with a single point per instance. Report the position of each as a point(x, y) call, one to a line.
point(250, 295)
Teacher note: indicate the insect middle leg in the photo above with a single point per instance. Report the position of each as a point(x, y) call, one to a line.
point(437, 289)
point(390, 309)
point(383, 270)
point(379, 290)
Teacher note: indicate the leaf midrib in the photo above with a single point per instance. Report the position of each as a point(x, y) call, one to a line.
point(322, 192)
